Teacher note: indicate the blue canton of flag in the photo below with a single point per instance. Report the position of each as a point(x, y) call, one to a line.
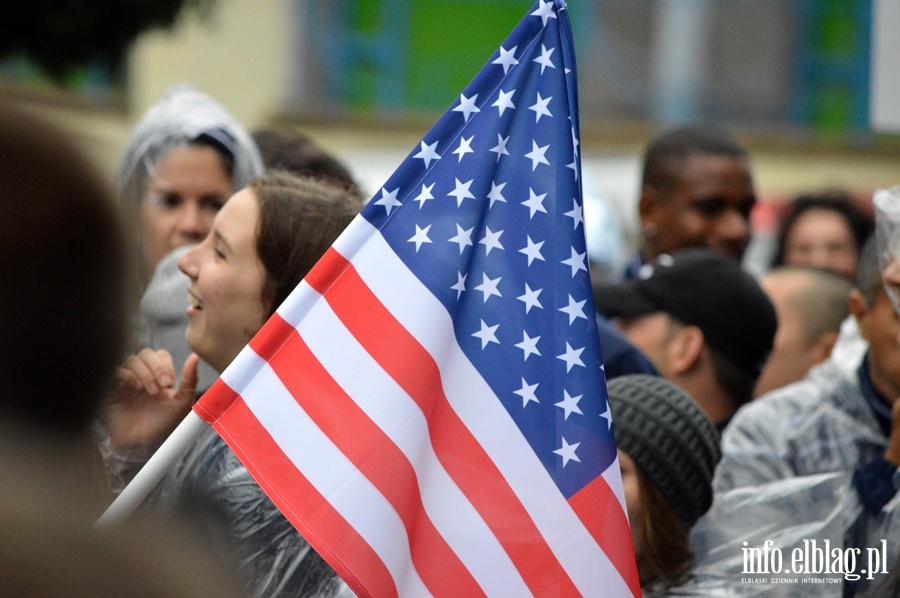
point(487, 212)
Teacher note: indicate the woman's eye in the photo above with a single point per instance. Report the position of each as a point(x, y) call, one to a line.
point(168, 200)
point(212, 204)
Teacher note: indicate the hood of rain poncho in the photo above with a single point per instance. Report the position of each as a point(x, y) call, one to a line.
point(182, 115)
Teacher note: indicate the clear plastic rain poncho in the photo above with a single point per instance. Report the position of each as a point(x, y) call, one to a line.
point(275, 559)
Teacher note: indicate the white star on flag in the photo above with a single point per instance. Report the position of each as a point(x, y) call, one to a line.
point(569, 405)
point(463, 238)
point(467, 106)
point(567, 452)
point(464, 148)
point(541, 108)
point(420, 237)
point(576, 262)
point(545, 12)
point(529, 345)
point(532, 250)
point(536, 155)
point(488, 286)
point(427, 153)
point(575, 214)
point(530, 298)
point(527, 393)
point(504, 101)
point(607, 416)
point(388, 200)
point(491, 240)
point(487, 334)
point(496, 193)
point(424, 195)
point(500, 148)
point(572, 357)
point(575, 309)
point(460, 286)
point(506, 59)
point(534, 203)
point(544, 59)
point(461, 192)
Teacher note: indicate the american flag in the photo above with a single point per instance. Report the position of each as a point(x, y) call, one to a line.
point(428, 407)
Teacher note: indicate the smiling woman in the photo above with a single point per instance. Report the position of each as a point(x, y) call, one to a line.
point(260, 246)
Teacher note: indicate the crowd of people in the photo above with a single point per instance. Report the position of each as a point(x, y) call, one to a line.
point(745, 409)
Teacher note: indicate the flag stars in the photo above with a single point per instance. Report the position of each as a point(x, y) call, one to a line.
point(420, 237)
point(463, 238)
point(572, 357)
point(500, 148)
point(534, 203)
point(427, 153)
point(424, 195)
point(388, 200)
point(504, 101)
point(607, 416)
point(567, 452)
point(467, 106)
point(461, 192)
point(530, 298)
point(506, 59)
point(487, 334)
point(528, 346)
point(460, 286)
point(465, 147)
point(575, 214)
point(527, 392)
point(496, 193)
point(532, 250)
point(544, 59)
point(569, 405)
point(575, 309)
point(541, 107)
point(545, 12)
point(576, 262)
point(491, 240)
point(536, 155)
point(488, 286)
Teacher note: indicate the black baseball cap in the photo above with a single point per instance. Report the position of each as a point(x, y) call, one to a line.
point(704, 288)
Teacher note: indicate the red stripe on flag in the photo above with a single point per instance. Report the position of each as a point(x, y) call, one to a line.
point(375, 455)
point(414, 369)
point(602, 514)
point(299, 500)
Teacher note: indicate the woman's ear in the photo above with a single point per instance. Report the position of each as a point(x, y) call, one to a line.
point(859, 307)
point(685, 348)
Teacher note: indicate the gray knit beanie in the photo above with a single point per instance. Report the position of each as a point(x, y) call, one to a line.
point(669, 438)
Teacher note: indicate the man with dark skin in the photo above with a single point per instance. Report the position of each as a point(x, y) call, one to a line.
point(696, 191)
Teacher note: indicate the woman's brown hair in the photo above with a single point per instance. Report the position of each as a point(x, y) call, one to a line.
point(299, 219)
point(667, 554)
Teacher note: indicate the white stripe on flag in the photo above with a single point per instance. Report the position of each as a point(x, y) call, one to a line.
point(398, 416)
point(404, 295)
point(329, 471)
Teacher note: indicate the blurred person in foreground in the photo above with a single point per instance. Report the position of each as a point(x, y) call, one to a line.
point(63, 328)
point(696, 191)
point(811, 305)
point(704, 323)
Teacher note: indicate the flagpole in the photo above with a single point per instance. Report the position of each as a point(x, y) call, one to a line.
point(152, 472)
